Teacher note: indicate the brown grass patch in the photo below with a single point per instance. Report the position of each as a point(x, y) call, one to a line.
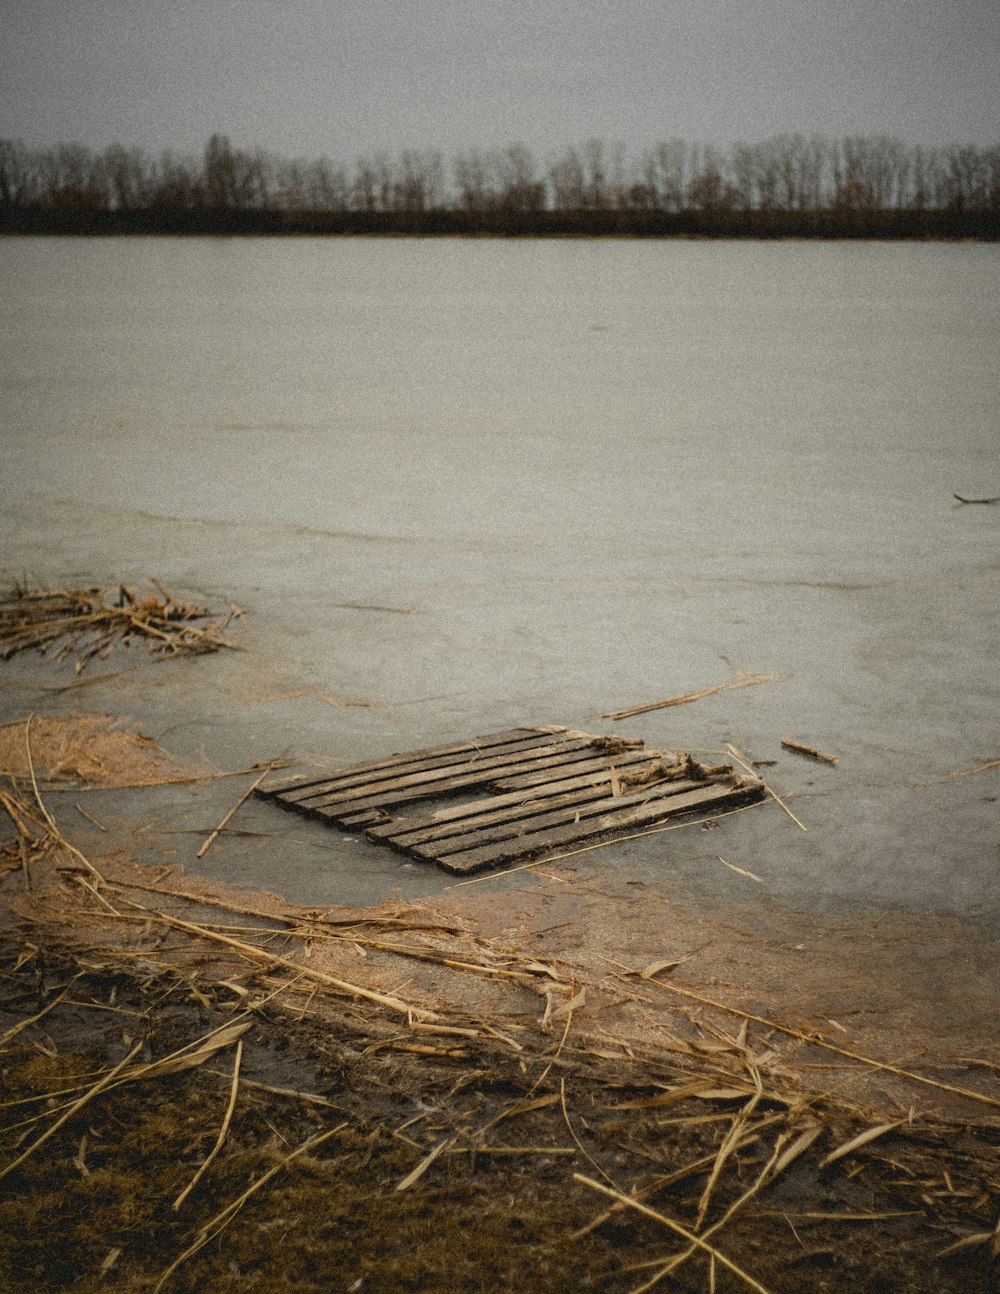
point(86, 749)
point(95, 620)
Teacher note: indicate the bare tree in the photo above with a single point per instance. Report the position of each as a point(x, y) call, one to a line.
point(128, 172)
point(219, 169)
point(670, 165)
point(924, 181)
point(19, 179)
point(365, 186)
point(813, 173)
point(991, 162)
point(788, 173)
point(326, 186)
point(967, 178)
point(476, 181)
point(419, 183)
point(709, 189)
point(520, 187)
point(71, 176)
point(177, 182)
point(595, 183)
point(744, 165)
point(566, 175)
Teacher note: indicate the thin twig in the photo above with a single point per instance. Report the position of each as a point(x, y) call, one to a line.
point(232, 813)
point(222, 1131)
point(579, 1144)
point(971, 771)
point(632, 1203)
point(762, 1179)
point(89, 817)
point(415, 1174)
point(223, 1219)
point(815, 1041)
point(740, 759)
point(56, 834)
point(15, 1029)
point(661, 1183)
point(308, 972)
point(729, 1144)
point(813, 752)
point(750, 680)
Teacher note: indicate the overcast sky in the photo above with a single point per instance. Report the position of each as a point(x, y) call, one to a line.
point(350, 77)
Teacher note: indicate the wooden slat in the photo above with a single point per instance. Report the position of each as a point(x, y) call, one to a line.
point(620, 820)
point(596, 783)
point(432, 781)
point(476, 743)
point(540, 817)
point(400, 764)
point(369, 818)
point(354, 822)
point(507, 753)
point(408, 794)
point(601, 764)
point(510, 813)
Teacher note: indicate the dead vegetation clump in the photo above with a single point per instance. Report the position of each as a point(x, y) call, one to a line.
point(354, 1121)
point(95, 620)
point(85, 750)
point(180, 1131)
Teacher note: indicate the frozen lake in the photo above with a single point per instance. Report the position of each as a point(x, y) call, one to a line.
point(474, 484)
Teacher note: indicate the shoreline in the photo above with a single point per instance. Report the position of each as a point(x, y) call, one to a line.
point(411, 1033)
point(480, 1089)
point(813, 226)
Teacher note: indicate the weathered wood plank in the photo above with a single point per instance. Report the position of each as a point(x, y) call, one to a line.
point(480, 770)
point(596, 783)
point(541, 817)
point(414, 756)
point(343, 778)
point(358, 821)
point(463, 827)
point(598, 764)
point(417, 788)
point(623, 819)
point(353, 822)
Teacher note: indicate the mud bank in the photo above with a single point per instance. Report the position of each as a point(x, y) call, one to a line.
point(458, 1096)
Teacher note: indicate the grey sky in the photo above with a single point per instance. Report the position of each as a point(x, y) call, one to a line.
point(349, 77)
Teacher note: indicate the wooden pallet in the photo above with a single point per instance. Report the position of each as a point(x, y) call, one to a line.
point(512, 795)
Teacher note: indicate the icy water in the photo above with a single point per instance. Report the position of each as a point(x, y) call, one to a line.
point(461, 485)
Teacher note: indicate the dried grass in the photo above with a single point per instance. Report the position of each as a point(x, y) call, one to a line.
point(696, 1242)
point(216, 1225)
point(87, 749)
point(764, 1103)
point(741, 678)
point(980, 766)
point(93, 621)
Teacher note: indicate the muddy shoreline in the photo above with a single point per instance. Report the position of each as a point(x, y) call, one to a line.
point(506, 1079)
point(567, 1078)
point(95, 1210)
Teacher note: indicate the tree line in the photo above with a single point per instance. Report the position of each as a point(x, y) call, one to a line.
point(789, 184)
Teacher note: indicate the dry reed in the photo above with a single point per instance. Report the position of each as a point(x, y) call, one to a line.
point(95, 620)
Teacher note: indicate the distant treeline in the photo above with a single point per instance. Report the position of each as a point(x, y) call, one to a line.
point(791, 185)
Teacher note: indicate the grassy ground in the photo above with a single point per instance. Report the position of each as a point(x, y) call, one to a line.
point(502, 1205)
